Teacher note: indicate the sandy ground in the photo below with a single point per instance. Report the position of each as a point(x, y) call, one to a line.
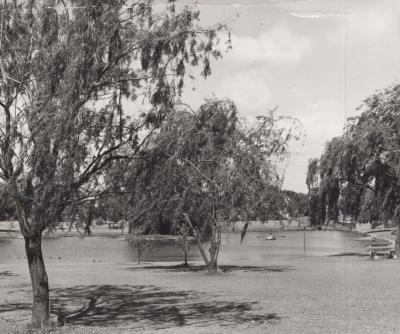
point(341, 294)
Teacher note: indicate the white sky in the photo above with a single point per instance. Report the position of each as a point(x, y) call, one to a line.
point(316, 59)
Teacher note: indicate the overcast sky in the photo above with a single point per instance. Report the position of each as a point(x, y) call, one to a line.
point(315, 59)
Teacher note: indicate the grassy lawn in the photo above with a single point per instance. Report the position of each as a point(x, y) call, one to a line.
point(344, 294)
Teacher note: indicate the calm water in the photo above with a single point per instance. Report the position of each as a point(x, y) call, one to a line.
point(254, 248)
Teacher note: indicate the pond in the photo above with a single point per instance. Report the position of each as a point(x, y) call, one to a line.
point(288, 244)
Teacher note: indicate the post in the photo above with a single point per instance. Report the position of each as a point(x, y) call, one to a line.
point(304, 240)
point(397, 242)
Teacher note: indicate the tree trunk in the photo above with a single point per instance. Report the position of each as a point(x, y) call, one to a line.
point(202, 252)
point(37, 270)
point(185, 249)
point(197, 238)
point(214, 248)
point(186, 255)
point(130, 227)
point(326, 214)
point(213, 265)
point(397, 244)
point(40, 285)
point(139, 246)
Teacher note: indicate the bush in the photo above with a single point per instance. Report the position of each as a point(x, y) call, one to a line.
point(99, 221)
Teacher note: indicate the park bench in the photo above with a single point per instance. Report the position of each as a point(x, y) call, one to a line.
point(387, 250)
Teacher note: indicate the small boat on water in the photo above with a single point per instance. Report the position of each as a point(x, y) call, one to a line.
point(270, 237)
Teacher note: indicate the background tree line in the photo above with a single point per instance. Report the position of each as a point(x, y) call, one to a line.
point(358, 173)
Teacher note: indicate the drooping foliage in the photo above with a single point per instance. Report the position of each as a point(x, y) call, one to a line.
point(67, 69)
point(205, 169)
point(359, 171)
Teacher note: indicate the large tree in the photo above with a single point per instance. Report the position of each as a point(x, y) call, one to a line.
point(365, 162)
point(56, 59)
point(372, 157)
point(204, 169)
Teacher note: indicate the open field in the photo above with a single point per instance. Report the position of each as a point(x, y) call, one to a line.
point(308, 294)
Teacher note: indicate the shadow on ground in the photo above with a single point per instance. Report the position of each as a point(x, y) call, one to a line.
point(146, 306)
point(4, 274)
point(350, 254)
point(223, 268)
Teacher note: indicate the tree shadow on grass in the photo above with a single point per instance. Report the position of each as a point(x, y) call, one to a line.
point(12, 307)
point(108, 305)
point(4, 274)
point(350, 254)
point(222, 268)
point(146, 306)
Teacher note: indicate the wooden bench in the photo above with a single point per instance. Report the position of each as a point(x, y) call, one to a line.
point(382, 250)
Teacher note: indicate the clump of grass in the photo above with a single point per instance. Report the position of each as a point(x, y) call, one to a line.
point(28, 328)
